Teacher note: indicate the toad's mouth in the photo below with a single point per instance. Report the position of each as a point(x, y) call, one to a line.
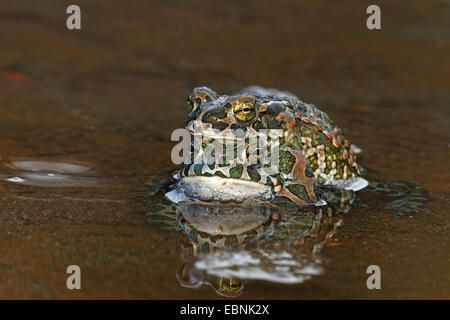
point(219, 137)
point(217, 189)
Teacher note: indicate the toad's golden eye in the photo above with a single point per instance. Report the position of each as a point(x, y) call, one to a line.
point(245, 111)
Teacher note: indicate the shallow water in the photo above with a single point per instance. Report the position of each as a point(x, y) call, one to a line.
point(86, 117)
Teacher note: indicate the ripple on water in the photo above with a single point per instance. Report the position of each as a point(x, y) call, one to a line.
point(49, 173)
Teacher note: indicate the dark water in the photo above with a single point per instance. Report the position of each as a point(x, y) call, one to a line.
point(86, 117)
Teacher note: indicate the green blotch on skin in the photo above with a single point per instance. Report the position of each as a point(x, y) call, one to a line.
point(328, 167)
point(269, 182)
point(213, 116)
point(235, 152)
point(309, 172)
point(312, 161)
point(279, 180)
point(314, 142)
point(219, 174)
point(228, 107)
point(294, 143)
point(339, 170)
point(287, 161)
point(219, 125)
point(198, 169)
point(236, 172)
point(235, 126)
point(298, 190)
point(253, 174)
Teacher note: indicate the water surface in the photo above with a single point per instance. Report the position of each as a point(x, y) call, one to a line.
point(86, 118)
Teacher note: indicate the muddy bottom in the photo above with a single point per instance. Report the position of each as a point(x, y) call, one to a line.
point(86, 118)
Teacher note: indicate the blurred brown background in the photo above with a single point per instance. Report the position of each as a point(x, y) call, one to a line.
point(112, 93)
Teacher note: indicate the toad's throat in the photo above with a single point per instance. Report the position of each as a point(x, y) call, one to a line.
point(204, 188)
